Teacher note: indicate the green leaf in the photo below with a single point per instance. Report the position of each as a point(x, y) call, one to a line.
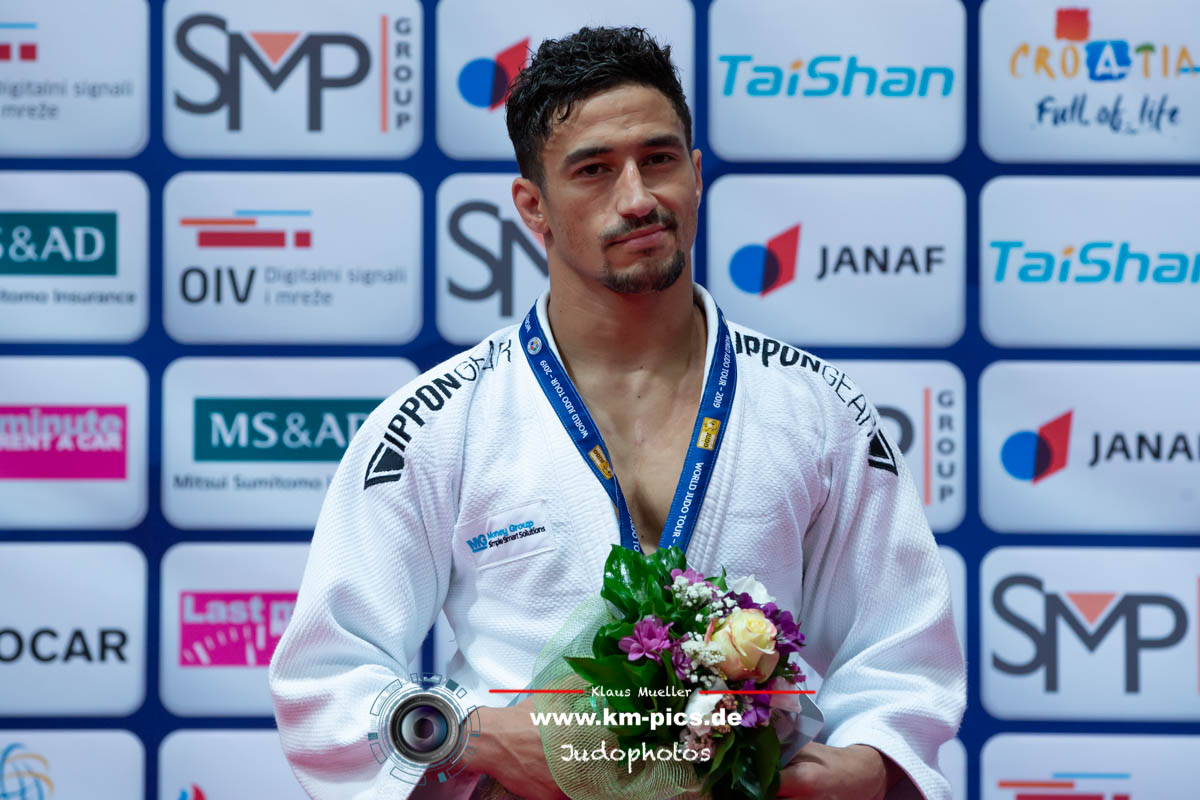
point(625, 582)
point(663, 561)
point(766, 757)
point(718, 766)
point(609, 672)
point(607, 641)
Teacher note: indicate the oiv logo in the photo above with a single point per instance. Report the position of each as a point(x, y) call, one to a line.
point(1084, 614)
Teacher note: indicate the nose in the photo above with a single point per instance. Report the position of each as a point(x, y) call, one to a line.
point(633, 200)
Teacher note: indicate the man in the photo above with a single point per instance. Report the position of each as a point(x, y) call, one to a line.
point(807, 493)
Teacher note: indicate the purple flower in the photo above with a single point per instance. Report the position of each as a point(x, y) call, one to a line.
point(680, 660)
point(690, 575)
point(788, 637)
point(649, 639)
point(757, 710)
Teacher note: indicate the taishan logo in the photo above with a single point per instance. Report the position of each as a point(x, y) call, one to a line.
point(58, 243)
point(760, 270)
point(1036, 455)
point(484, 82)
point(1093, 262)
point(232, 629)
point(830, 75)
point(276, 429)
point(1091, 616)
point(63, 442)
point(275, 55)
point(1075, 55)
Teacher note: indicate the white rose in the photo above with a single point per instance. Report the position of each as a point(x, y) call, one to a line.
point(748, 585)
point(701, 706)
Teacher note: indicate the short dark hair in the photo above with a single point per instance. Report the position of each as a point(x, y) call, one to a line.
point(575, 67)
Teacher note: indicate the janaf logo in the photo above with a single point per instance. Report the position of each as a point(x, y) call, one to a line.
point(880, 260)
point(1090, 617)
point(313, 50)
point(277, 429)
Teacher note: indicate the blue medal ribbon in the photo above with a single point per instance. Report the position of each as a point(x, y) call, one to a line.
point(707, 433)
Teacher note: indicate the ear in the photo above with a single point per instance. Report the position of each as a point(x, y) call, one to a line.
point(527, 197)
point(699, 178)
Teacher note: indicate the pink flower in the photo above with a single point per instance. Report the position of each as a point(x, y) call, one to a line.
point(649, 639)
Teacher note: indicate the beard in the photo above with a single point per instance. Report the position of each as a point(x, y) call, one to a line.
point(643, 277)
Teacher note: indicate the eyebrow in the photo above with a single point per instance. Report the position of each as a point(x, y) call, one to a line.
point(584, 153)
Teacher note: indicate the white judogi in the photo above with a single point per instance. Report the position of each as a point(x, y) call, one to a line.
point(807, 494)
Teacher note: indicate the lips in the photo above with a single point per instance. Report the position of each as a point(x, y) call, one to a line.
point(644, 237)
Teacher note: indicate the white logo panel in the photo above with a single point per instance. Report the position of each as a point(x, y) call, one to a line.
point(1083, 262)
point(1131, 766)
point(73, 641)
point(105, 765)
point(225, 763)
point(270, 257)
point(921, 406)
point(857, 80)
point(490, 267)
point(224, 609)
point(73, 447)
point(290, 80)
point(1096, 633)
point(1106, 81)
point(848, 260)
point(73, 263)
point(481, 46)
point(75, 78)
point(1095, 447)
point(254, 442)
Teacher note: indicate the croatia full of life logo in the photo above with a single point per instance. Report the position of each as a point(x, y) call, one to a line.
point(63, 442)
point(231, 629)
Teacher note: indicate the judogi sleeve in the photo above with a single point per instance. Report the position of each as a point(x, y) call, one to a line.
point(876, 611)
point(372, 588)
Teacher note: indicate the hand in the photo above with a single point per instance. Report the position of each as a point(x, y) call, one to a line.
point(509, 749)
point(857, 772)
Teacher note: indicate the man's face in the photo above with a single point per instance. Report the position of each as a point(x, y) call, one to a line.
point(621, 190)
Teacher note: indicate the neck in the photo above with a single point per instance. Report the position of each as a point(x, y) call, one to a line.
point(600, 331)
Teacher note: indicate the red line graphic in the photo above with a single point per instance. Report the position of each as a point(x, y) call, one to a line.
point(245, 221)
point(383, 74)
point(928, 454)
point(1073, 796)
point(538, 691)
point(1035, 784)
point(241, 239)
point(758, 691)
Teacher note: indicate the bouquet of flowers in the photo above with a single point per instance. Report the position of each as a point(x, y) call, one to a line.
point(672, 683)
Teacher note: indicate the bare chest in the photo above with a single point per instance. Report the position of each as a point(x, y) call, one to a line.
point(647, 459)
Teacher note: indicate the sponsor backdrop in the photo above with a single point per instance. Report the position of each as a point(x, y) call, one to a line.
point(229, 229)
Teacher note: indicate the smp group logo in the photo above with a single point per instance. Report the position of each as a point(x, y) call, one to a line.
point(1103, 81)
point(921, 408)
point(484, 82)
point(790, 81)
point(1059, 268)
point(77, 456)
point(278, 80)
point(490, 267)
point(832, 244)
point(1105, 767)
point(24, 775)
point(73, 639)
point(224, 608)
point(760, 269)
point(63, 442)
point(1036, 455)
point(255, 442)
point(1094, 633)
point(73, 263)
point(231, 629)
point(1105, 456)
point(298, 258)
point(65, 89)
point(482, 45)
